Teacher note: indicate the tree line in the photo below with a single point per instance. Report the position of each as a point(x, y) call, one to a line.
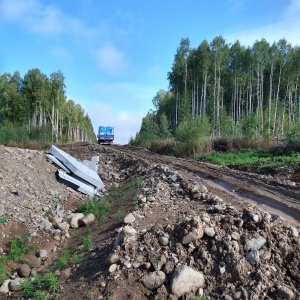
point(37, 106)
point(228, 90)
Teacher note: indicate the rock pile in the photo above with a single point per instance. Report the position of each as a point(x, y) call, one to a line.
point(215, 250)
point(181, 240)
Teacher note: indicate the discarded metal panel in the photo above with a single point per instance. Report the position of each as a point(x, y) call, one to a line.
point(57, 162)
point(76, 184)
point(92, 164)
point(77, 168)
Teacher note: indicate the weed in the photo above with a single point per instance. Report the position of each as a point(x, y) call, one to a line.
point(98, 208)
point(27, 288)
point(47, 214)
point(3, 220)
point(42, 295)
point(120, 213)
point(74, 230)
point(63, 260)
point(200, 297)
point(136, 204)
point(38, 281)
point(3, 259)
point(18, 247)
point(56, 201)
point(75, 258)
point(51, 281)
point(87, 241)
point(89, 295)
point(133, 184)
point(2, 274)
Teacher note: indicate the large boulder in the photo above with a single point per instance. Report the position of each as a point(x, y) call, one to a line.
point(186, 280)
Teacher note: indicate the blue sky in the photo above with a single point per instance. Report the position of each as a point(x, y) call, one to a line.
point(116, 54)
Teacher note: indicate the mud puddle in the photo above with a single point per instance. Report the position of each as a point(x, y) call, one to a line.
point(270, 201)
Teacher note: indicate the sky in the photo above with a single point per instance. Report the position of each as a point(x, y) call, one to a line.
point(115, 55)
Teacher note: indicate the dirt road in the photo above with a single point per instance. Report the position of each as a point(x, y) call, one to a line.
point(280, 195)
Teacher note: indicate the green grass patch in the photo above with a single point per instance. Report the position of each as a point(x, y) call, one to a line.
point(18, 246)
point(136, 183)
point(87, 241)
point(41, 287)
point(256, 160)
point(63, 260)
point(3, 220)
point(97, 207)
point(3, 274)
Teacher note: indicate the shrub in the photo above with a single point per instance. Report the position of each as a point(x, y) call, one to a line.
point(17, 247)
point(87, 241)
point(95, 207)
point(2, 274)
point(63, 260)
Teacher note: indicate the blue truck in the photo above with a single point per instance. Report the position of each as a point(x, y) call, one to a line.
point(105, 135)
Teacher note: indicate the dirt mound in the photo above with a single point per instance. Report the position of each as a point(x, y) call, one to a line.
point(180, 237)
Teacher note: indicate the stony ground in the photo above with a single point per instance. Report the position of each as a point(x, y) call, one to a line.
point(190, 229)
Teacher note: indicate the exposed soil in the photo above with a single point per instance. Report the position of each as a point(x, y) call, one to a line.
point(187, 198)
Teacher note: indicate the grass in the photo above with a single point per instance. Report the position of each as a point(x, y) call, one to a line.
point(87, 241)
point(101, 207)
point(136, 183)
point(256, 160)
point(41, 287)
point(63, 260)
point(200, 297)
point(3, 274)
point(3, 220)
point(98, 208)
point(17, 247)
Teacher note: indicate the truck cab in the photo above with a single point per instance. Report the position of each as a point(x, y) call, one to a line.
point(105, 135)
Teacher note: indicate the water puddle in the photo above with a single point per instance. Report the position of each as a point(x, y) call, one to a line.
point(268, 201)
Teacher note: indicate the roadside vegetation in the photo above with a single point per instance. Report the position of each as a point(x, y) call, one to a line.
point(224, 101)
point(262, 161)
point(35, 108)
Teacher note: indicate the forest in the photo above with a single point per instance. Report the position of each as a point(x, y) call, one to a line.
point(227, 91)
point(35, 108)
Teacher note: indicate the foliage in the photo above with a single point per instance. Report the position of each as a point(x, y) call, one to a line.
point(97, 207)
point(17, 247)
point(238, 92)
point(193, 131)
point(63, 259)
point(137, 182)
point(51, 282)
point(3, 220)
point(2, 274)
point(258, 160)
point(35, 107)
point(42, 287)
point(27, 288)
point(87, 241)
point(200, 297)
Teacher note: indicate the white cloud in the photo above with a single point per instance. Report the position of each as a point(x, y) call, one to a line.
point(126, 124)
point(293, 8)
point(121, 105)
point(33, 15)
point(110, 59)
point(287, 26)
